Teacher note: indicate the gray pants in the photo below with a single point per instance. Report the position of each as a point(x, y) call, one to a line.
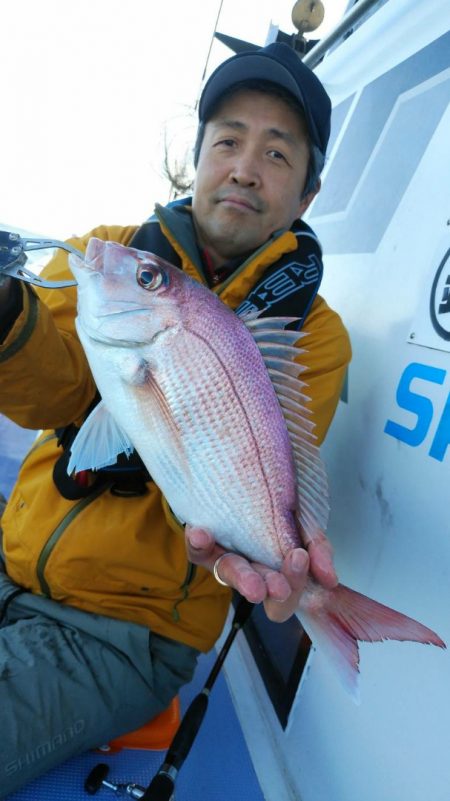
point(70, 681)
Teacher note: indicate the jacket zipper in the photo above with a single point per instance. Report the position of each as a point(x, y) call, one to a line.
point(189, 578)
point(54, 538)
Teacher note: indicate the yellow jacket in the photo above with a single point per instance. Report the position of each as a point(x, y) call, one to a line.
point(117, 556)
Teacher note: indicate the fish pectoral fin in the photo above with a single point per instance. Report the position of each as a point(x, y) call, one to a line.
point(134, 370)
point(98, 443)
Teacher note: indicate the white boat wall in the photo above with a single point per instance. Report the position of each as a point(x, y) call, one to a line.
point(383, 217)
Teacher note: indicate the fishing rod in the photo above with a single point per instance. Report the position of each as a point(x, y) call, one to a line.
point(162, 786)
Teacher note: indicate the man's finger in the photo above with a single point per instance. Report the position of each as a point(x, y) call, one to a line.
point(200, 544)
point(277, 586)
point(239, 574)
point(235, 571)
point(294, 570)
point(321, 559)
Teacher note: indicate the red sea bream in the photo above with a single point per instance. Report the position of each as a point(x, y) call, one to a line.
point(214, 406)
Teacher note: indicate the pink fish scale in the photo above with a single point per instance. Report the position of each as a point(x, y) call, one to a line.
point(242, 477)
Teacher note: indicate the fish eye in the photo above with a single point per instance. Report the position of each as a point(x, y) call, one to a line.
point(150, 277)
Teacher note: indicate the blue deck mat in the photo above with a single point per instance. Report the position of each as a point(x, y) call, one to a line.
point(218, 767)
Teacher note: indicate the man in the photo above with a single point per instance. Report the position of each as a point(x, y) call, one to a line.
point(103, 613)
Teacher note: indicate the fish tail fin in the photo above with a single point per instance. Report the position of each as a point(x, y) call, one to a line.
point(346, 616)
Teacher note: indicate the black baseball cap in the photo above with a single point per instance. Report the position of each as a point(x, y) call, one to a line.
point(279, 64)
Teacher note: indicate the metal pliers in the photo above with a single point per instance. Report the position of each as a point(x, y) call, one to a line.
point(13, 249)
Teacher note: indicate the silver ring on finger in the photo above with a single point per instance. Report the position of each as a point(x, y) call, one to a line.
point(216, 569)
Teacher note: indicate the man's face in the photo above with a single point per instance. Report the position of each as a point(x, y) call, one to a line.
point(250, 175)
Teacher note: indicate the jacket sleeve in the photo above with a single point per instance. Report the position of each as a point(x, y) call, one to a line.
point(45, 380)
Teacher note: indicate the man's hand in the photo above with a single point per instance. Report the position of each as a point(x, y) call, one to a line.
point(279, 591)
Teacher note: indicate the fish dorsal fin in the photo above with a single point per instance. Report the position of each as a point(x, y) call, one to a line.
point(98, 443)
point(277, 347)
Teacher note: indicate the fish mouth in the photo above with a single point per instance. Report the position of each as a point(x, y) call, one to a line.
point(97, 335)
point(121, 312)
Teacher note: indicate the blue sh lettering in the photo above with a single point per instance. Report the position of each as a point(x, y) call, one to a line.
point(422, 408)
point(442, 436)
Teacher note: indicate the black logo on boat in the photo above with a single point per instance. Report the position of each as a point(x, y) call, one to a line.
point(440, 299)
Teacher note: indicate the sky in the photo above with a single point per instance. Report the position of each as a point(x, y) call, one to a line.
point(91, 90)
